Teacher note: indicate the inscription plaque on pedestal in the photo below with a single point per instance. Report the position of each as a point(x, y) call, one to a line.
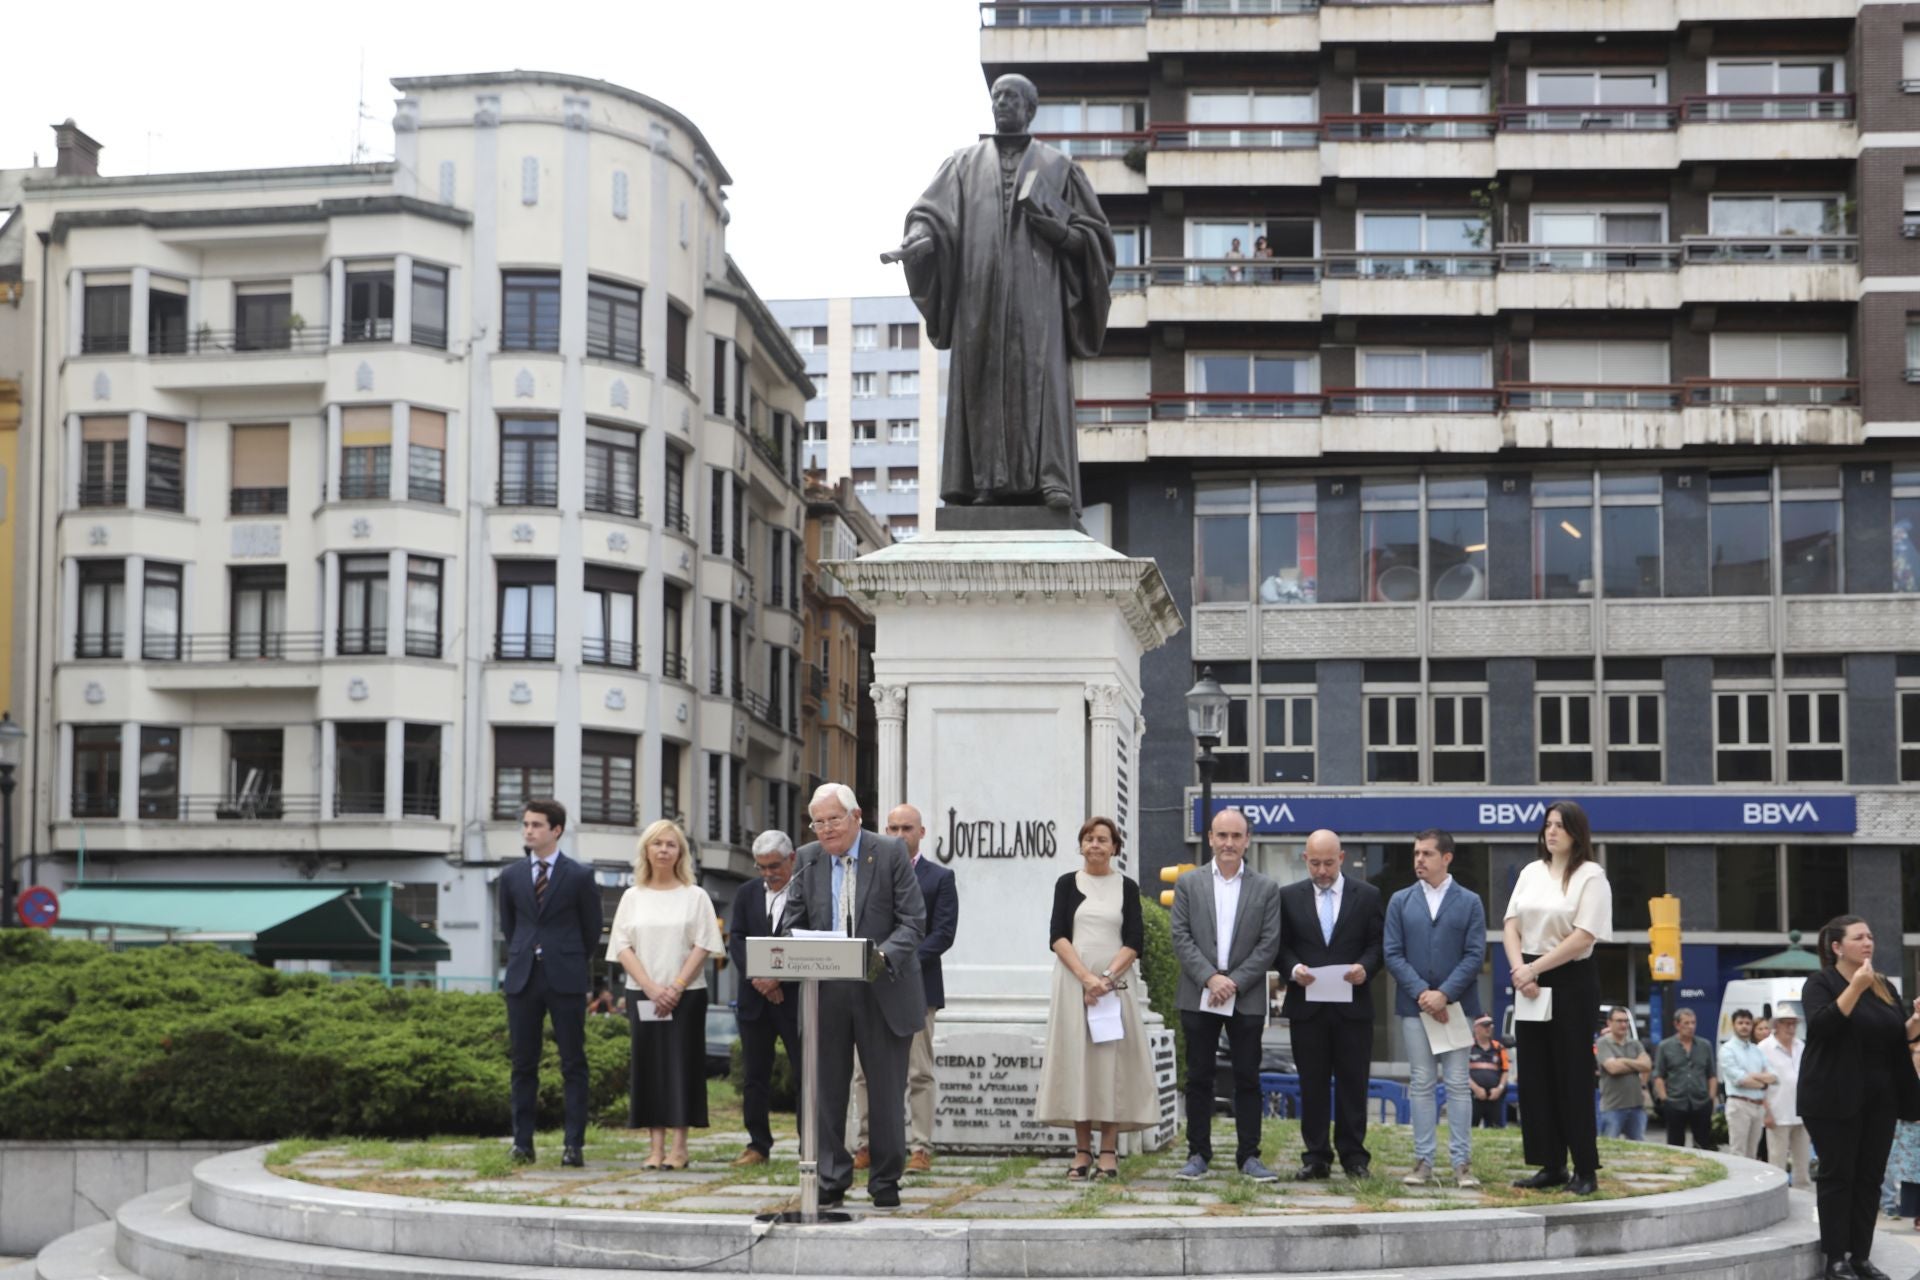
point(987, 1082)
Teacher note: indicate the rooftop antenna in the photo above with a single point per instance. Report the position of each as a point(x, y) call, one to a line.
point(361, 115)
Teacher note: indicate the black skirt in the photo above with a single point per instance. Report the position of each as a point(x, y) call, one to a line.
point(667, 1086)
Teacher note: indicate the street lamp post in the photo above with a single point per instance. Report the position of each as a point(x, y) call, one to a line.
point(12, 737)
point(1207, 721)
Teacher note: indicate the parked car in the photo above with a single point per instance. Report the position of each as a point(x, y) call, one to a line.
point(722, 1030)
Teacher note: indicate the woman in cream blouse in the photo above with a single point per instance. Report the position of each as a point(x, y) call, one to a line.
point(663, 935)
point(1561, 905)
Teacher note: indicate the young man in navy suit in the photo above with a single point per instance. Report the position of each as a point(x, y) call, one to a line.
point(550, 913)
point(767, 1008)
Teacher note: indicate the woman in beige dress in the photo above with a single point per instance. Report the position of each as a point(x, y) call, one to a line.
point(663, 935)
point(1096, 934)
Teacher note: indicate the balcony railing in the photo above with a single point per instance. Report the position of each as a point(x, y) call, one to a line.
point(105, 343)
point(421, 644)
point(1230, 8)
point(679, 373)
point(252, 808)
point(1114, 13)
point(110, 494)
point(739, 689)
point(212, 342)
point(373, 804)
point(1589, 257)
point(609, 813)
point(600, 652)
point(1736, 108)
point(739, 552)
point(761, 709)
point(365, 487)
point(816, 680)
point(1370, 265)
point(1910, 226)
point(673, 666)
point(523, 646)
point(1772, 391)
point(1091, 146)
point(528, 493)
point(716, 683)
point(676, 521)
point(1175, 405)
point(1235, 270)
point(99, 644)
point(367, 329)
point(233, 646)
point(1109, 413)
point(88, 804)
point(1130, 279)
point(1735, 249)
point(1408, 128)
point(1588, 395)
point(612, 501)
point(257, 502)
point(361, 642)
point(1185, 136)
point(429, 335)
point(1536, 118)
point(1362, 400)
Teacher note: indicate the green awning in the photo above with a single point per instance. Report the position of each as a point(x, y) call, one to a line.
point(1792, 960)
point(306, 921)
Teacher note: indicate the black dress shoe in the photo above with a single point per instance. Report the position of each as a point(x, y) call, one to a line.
point(1583, 1184)
point(1313, 1173)
point(1358, 1171)
point(1866, 1270)
point(831, 1199)
point(571, 1158)
point(1839, 1269)
point(522, 1155)
point(886, 1197)
point(1542, 1180)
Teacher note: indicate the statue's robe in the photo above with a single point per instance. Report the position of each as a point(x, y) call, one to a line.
point(1012, 310)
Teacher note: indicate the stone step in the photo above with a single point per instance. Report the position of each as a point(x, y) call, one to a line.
point(236, 1192)
point(86, 1254)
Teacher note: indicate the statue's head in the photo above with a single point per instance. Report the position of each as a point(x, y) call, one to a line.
point(1014, 102)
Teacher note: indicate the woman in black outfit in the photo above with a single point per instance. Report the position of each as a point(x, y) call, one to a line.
point(1857, 1079)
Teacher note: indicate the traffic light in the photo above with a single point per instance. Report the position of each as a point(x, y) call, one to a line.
point(1663, 937)
point(1170, 874)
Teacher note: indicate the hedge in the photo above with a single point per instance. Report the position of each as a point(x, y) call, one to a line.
point(181, 1042)
point(1162, 972)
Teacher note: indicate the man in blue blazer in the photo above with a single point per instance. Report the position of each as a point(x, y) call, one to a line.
point(550, 914)
point(1436, 942)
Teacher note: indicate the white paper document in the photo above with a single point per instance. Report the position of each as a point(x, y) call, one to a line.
point(817, 934)
point(644, 1007)
point(1330, 985)
point(1534, 1008)
point(1103, 1019)
point(1444, 1037)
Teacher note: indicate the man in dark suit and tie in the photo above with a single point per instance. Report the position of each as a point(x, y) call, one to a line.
point(765, 1007)
point(550, 913)
point(1331, 919)
point(863, 883)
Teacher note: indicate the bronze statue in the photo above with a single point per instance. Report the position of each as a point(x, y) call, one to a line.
point(1010, 260)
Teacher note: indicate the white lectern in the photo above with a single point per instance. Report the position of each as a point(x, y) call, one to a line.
point(809, 961)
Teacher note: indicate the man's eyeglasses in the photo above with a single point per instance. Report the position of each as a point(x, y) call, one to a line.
point(828, 824)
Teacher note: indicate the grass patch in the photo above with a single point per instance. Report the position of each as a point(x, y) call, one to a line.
point(286, 1152)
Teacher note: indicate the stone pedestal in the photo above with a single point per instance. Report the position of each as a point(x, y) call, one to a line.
point(1007, 677)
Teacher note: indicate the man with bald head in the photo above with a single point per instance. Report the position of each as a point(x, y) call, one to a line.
point(1331, 919)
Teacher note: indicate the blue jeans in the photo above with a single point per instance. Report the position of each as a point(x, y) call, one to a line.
point(1425, 1068)
point(1628, 1122)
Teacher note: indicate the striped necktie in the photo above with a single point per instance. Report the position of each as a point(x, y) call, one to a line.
point(540, 885)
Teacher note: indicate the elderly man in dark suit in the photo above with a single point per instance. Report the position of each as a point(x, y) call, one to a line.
point(1326, 920)
point(1226, 932)
point(767, 1008)
point(550, 913)
point(863, 883)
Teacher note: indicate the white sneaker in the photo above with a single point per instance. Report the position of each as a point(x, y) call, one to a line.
point(1421, 1176)
point(1463, 1176)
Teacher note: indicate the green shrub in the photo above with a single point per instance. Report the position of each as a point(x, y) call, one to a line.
point(193, 1042)
point(783, 1093)
point(1162, 972)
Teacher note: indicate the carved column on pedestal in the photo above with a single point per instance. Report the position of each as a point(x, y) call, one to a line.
point(890, 707)
point(1104, 708)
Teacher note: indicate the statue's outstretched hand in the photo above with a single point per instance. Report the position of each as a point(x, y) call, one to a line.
point(918, 244)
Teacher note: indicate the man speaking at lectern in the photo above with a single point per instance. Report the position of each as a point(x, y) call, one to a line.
point(862, 883)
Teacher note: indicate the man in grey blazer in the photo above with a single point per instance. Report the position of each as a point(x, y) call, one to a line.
point(1436, 941)
point(863, 883)
point(1226, 933)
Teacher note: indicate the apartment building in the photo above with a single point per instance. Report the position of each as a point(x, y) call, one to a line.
point(879, 400)
point(1519, 397)
point(384, 497)
point(841, 725)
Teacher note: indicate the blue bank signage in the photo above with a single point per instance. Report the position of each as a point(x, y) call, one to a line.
point(1612, 813)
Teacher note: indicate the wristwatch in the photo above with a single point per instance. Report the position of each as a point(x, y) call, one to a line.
point(1106, 975)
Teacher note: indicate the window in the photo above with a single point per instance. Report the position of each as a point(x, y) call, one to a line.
point(1390, 533)
point(1908, 699)
point(360, 767)
point(903, 384)
point(1590, 234)
point(1910, 59)
point(1562, 538)
point(263, 316)
point(258, 612)
point(1580, 365)
point(1906, 528)
point(106, 321)
point(1772, 367)
point(606, 778)
point(423, 607)
point(1234, 753)
point(363, 605)
point(1222, 558)
point(675, 480)
point(1287, 721)
point(1459, 737)
point(522, 770)
point(1420, 98)
point(1630, 534)
point(167, 317)
point(819, 381)
point(530, 316)
point(430, 306)
point(366, 451)
point(717, 512)
point(369, 305)
point(1810, 530)
point(1816, 750)
point(866, 431)
point(816, 433)
point(96, 771)
point(1393, 737)
point(1633, 735)
point(1743, 736)
point(673, 661)
point(903, 337)
point(864, 386)
point(903, 480)
point(1396, 244)
point(1776, 215)
point(526, 610)
point(1230, 382)
point(1566, 737)
point(863, 481)
point(719, 367)
point(256, 774)
point(259, 470)
point(903, 528)
point(670, 781)
point(1610, 88)
point(1081, 116)
point(1748, 887)
point(529, 462)
point(1442, 372)
point(103, 462)
point(677, 367)
point(866, 337)
point(740, 523)
point(1636, 873)
point(801, 336)
point(420, 771)
point(899, 430)
point(1739, 533)
point(1456, 538)
point(102, 609)
point(608, 617)
point(160, 611)
point(426, 456)
point(613, 470)
point(743, 401)
point(1231, 111)
point(1776, 89)
point(1818, 886)
point(159, 772)
point(613, 321)
point(1288, 543)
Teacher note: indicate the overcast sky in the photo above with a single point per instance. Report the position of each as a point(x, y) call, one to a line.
point(831, 115)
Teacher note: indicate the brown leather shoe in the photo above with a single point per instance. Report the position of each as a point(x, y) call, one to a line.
point(749, 1157)
point(862, 1158)
point(920, 1162)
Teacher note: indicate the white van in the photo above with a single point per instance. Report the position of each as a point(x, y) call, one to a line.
point(1758, 996)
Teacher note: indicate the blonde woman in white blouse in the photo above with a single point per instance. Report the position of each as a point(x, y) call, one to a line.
point(662, 936)
point(1561, 906)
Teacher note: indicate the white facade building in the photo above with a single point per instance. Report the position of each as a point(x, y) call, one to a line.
point(376, 499)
